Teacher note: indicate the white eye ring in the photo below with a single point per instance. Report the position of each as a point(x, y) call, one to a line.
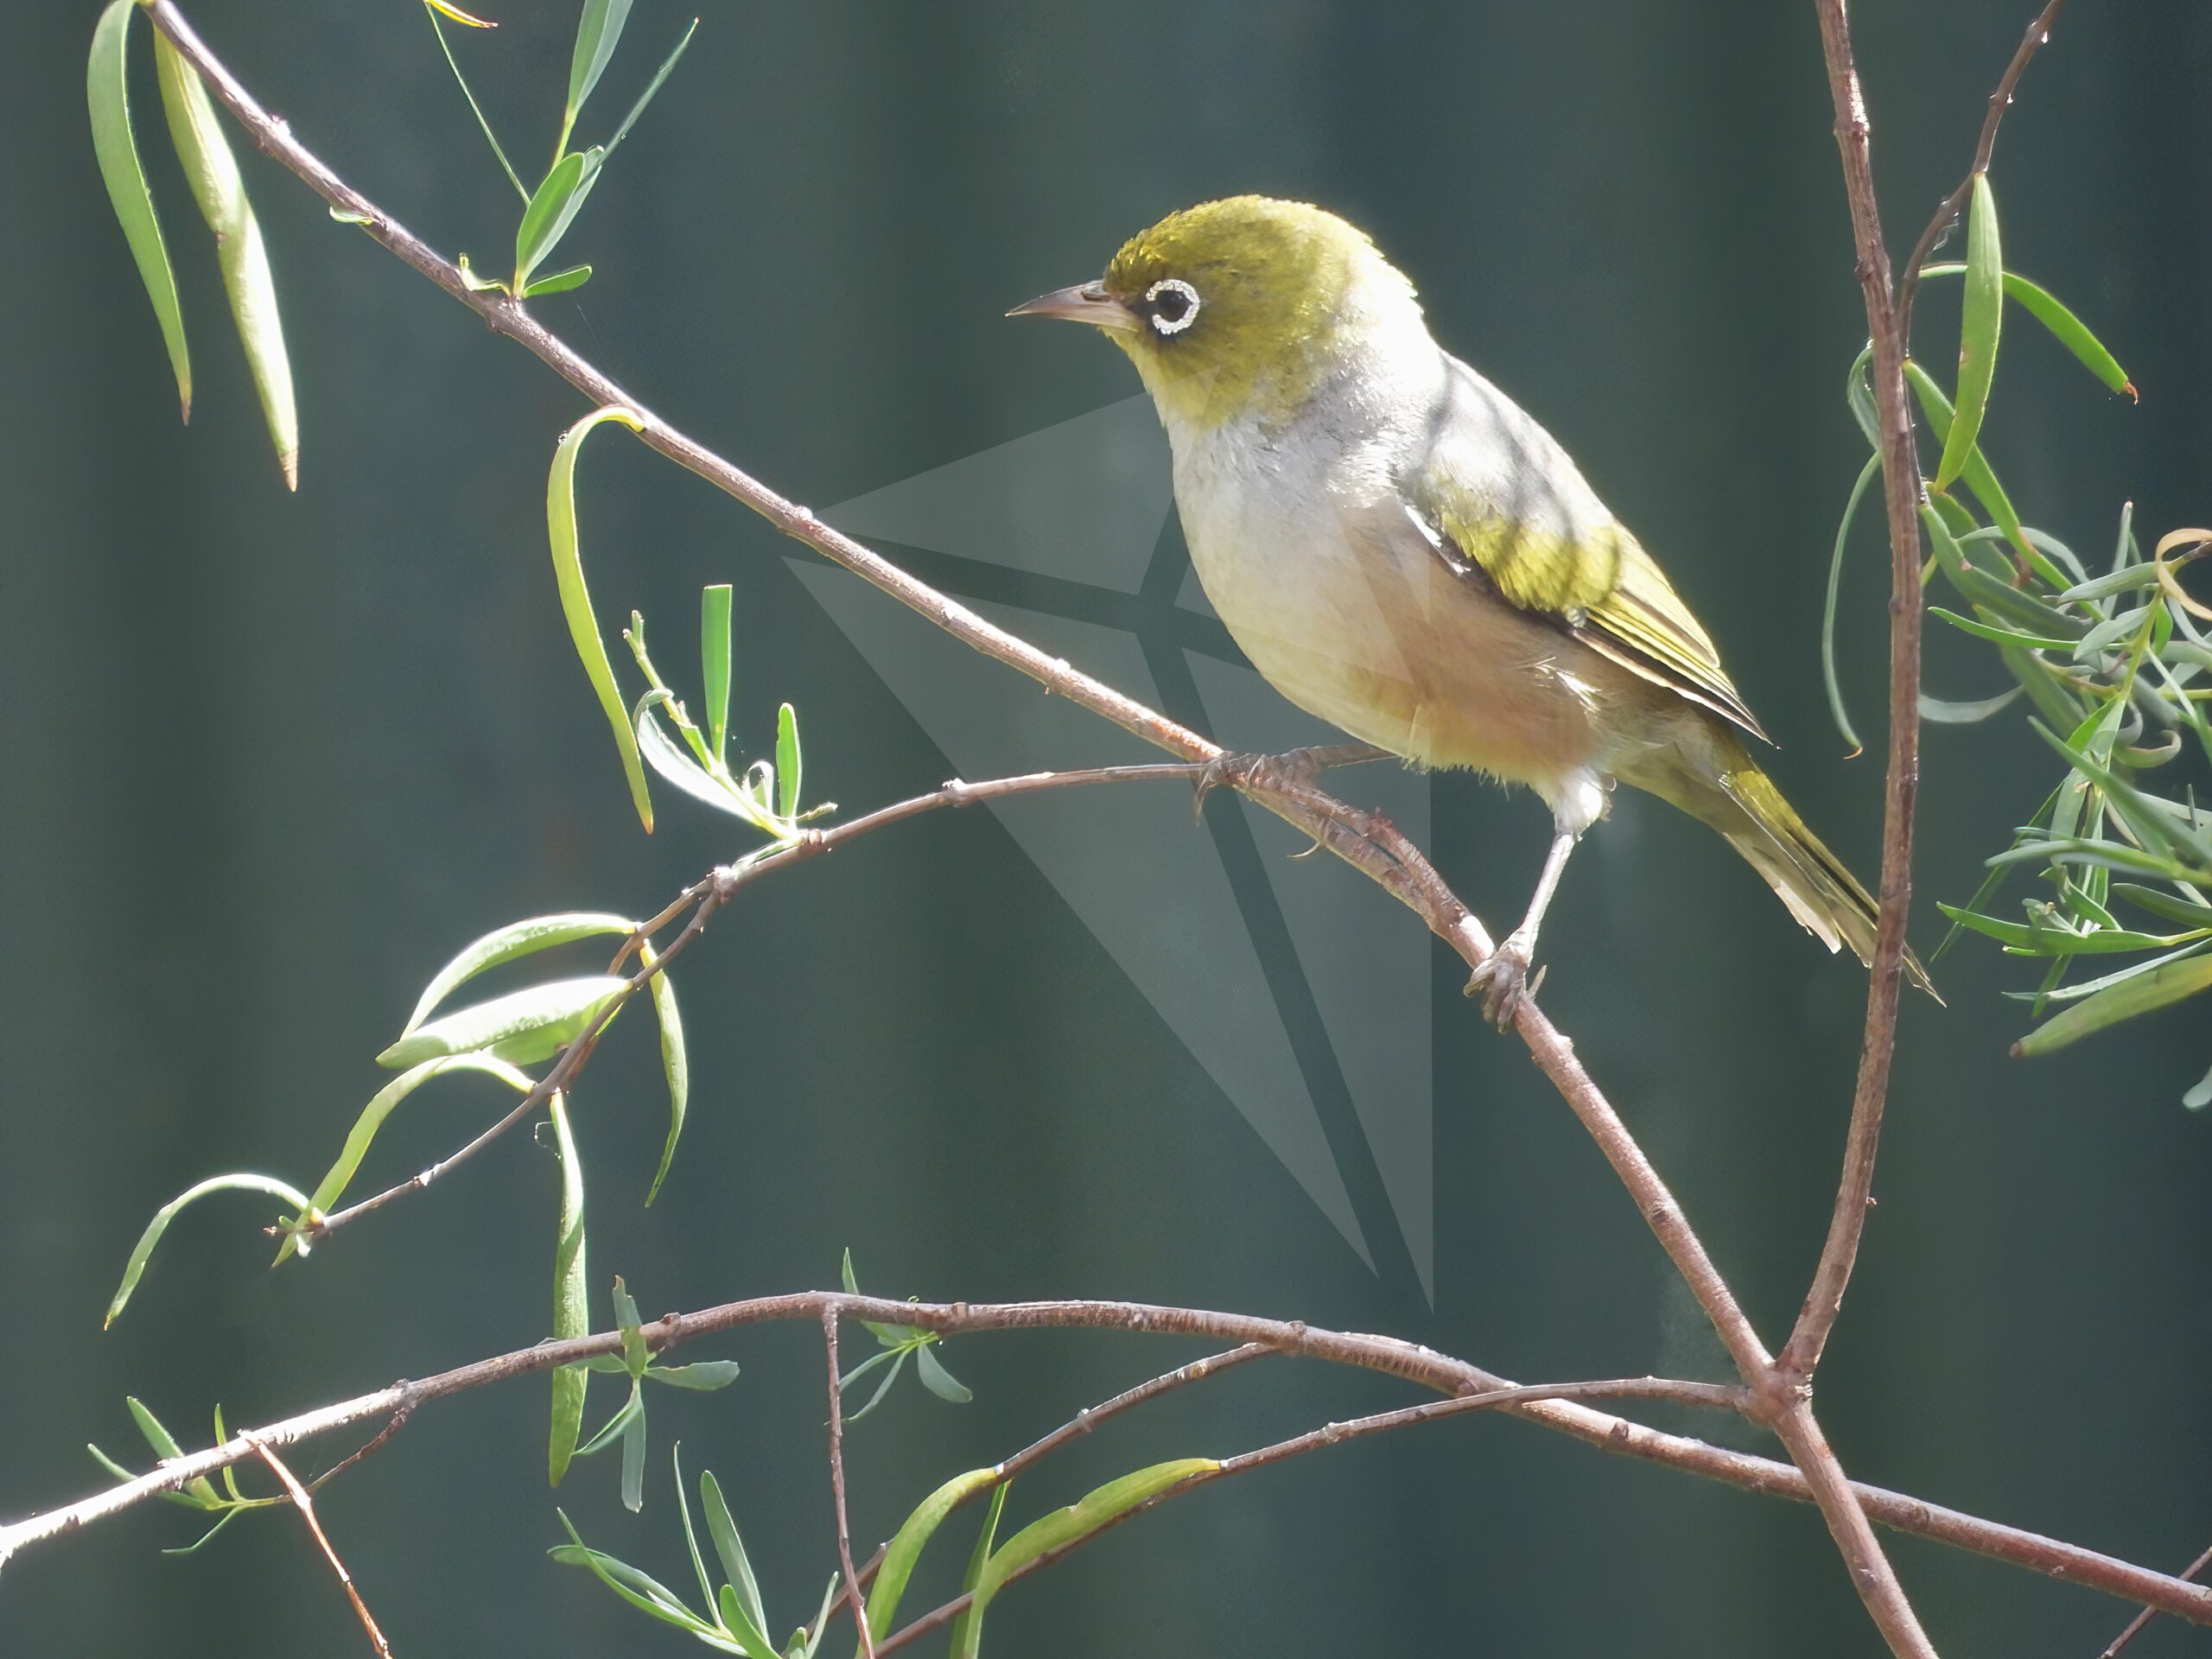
point(1177, 285)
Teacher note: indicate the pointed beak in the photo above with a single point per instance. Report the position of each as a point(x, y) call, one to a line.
point(1084, 302)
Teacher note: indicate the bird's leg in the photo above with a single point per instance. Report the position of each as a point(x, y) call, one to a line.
point(1503, 977)
point(1293, 771)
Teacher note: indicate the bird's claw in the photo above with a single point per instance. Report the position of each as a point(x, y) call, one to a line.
point(1291, 773)
point(1502, 981)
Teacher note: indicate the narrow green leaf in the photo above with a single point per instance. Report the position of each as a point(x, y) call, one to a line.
point(1977, 474)
point(613, 1427)
point(673, 1064)
point(231, 1513)
point(1981, 315)
point(1858, 397)
point(787, 761)
point(571, 1301)
point(217, 185)
point(509, 943)
point(523, 1026)
point(553, 207)
point(2065, 327)
point(730, 1549)
point(652, 87)
point(805, 1646)
point(201, 1493)
point(2091, 987)
point(1079, 1520)
point(633, 1461)
point(597, 28)
point(690, 1534)
point(2171, 906)
point(939, 1381)
point(714, 664)
point(750, 1638)
point(107, 93)
point(663, 754)
point(559, 282)
point(2055, 941)
point(1867, 474)
point(142, 1251)
point(968, 1628)
point(576, 598)
point(358, 1138)
point(475, 109)
point(2002, 636)
point(897, 1358)
point(641, 1592)
point(1944, 712)
point(2163, 985)
point(906, 1547)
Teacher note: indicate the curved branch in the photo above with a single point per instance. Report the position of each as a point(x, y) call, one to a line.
point(2049, 1557)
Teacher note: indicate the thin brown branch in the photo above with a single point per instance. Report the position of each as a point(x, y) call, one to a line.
point(2049, 1557)
point(2037, 36)
point(837, 1482)
point(2135, 1625)
point(1889, 328)
point(1080, 1424)
point(1638, 1388)
point(304, 1503)
point(708, 895)
point(375, 1444)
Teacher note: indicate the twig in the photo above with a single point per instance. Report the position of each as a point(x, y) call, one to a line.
point(705, 897)
point(837, 1482)
point(2135, 1625)
point(2049, 1557)
point(2037, 36)
point(1639, 1388)
point(376, 1444)
point(1889, 324)
point(305, 1503)
point(1080, 1424)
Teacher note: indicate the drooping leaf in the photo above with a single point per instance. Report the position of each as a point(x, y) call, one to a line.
point(2155, 989)
point(142, 1251)
point(358, 1138)
point(906, 1547)
point(674, 1065)
point(510, 943)
point(108, 95)
point(523, 1026)
point(571, 1301)
point(703, 1376)
point(714, 664)
point(575, 597)
point(1976, 472)
point(939, 1381)
point(1867, 474)
point(219, 187)
point(1981, 315)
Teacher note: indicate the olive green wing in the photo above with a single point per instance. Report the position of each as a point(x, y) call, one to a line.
point(1504, 505)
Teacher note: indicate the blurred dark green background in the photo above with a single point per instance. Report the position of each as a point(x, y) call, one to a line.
point(268, 761)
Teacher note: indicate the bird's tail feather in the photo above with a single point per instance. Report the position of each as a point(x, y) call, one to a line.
point(1742, 803)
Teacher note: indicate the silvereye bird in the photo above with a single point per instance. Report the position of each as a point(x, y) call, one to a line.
point(1401, 551)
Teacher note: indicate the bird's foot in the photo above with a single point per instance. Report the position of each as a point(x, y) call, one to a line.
point(1503, 980)
point(1295, 771)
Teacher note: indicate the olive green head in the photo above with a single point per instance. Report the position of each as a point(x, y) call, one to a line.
point(1238, 307)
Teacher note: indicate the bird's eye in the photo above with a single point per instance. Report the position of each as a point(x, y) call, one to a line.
point(1173, 305)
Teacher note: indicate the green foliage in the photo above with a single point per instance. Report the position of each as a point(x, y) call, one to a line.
point(897, 1344)
point(108, 94)
point(2115, 666)
point(144, 1250)
point(552, 206)
point(734, 1621)
point(198, 1493)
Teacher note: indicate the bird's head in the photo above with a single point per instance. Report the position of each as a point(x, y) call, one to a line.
point(1240, 309)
